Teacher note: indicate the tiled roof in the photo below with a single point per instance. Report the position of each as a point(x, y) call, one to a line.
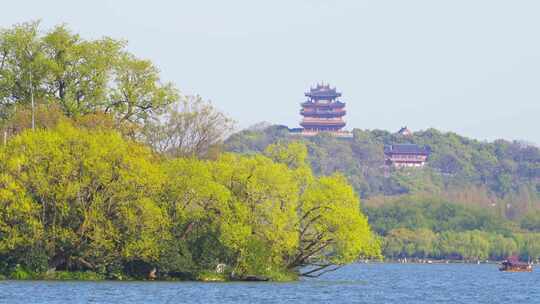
point(322, 90)
point(405, 149)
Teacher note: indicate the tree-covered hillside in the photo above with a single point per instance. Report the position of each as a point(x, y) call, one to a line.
point(502, 175)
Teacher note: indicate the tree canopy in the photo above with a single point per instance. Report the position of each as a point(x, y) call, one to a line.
point(87, 199)
point(80, 76)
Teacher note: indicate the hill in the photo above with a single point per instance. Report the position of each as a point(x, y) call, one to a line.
point(501, 175)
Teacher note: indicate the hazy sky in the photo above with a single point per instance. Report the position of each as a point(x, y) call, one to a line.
point(472, 67)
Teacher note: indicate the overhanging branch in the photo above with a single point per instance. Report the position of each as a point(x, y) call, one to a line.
point(319, 271)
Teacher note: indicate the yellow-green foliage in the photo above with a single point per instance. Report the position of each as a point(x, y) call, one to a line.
point(75, 199)
point(331, 218)
point(83, 197)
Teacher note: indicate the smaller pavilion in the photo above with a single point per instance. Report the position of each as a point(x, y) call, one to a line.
point(406, 155)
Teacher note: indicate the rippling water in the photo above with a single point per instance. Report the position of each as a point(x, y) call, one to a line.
point(371, 283)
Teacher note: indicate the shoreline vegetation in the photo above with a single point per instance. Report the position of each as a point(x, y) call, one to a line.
point(77, 199)
point(212, 277)
point(109, 173)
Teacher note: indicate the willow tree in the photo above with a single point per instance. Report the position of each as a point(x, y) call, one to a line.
point(195, 204)
point(263, 217)
point(87, 200)
point(332, 230)
point(259, 222)
point(288, 218)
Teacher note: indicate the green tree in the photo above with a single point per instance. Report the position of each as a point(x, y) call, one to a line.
point(137, 91)
point(261, 212)
point(502, 247)
point(196, 205)
point(294, 155)
point(23, 67)
point(20, 230)
point(531, 221)
point(78, 70)
point(80, 76)
point(529, 245)
point(332, 231)
point(94, 197)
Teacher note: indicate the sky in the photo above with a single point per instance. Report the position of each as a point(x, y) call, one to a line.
point(470, 67)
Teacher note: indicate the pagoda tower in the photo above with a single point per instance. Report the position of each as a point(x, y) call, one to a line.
point(322, 112)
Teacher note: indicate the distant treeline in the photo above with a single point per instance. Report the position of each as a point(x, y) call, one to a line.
point(428, 227)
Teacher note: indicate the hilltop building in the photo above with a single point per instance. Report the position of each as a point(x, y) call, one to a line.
point(323, 112)
point(405, 155)
point(404, 131)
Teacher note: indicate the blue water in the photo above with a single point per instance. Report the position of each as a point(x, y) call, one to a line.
point(362, 283)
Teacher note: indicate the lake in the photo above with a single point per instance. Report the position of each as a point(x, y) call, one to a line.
point(359, 283)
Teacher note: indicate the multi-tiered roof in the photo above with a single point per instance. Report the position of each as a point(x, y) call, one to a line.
point(322, 111)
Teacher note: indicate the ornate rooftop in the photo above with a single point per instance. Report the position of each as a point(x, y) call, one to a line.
point(323, 91)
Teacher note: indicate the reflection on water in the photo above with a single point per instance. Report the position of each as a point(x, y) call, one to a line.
point(361, 283)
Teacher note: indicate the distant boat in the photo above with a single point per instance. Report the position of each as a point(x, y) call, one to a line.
point(513, 264)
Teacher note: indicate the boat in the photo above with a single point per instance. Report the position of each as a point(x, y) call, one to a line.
point(513, 264)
